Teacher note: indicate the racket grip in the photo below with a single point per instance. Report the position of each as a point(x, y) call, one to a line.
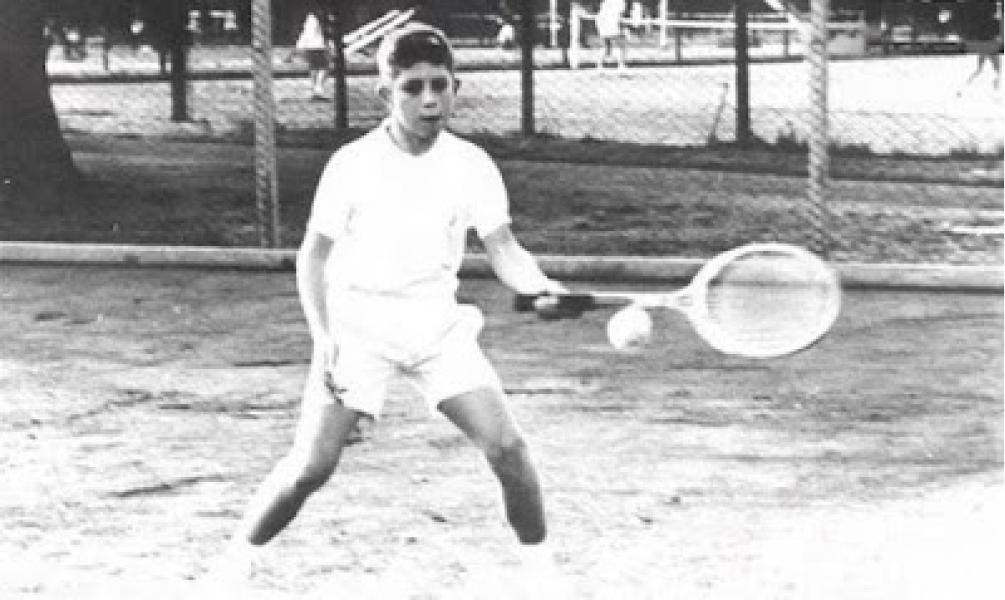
point(525, 302)
point(560, 306)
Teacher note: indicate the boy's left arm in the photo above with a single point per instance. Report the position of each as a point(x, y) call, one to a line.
point(515, 266)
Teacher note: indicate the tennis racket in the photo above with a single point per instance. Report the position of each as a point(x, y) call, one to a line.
point(759, 300)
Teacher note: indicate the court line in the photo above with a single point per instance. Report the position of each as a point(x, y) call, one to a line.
point(978, 278)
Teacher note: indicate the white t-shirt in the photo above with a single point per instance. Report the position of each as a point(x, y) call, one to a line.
point(398, 221)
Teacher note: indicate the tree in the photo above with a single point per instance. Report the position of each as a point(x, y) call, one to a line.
point(35, 161)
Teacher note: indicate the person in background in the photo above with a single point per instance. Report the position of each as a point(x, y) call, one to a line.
point(611, 32)
point(506, 36)
point(987, 45)
point(313, 43)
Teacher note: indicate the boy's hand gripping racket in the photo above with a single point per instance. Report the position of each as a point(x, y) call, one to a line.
point(760, 300)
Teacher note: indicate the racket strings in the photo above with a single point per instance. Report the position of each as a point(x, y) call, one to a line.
point(769, 305)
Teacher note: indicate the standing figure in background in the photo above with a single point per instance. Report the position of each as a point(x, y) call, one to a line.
point(136, 26)
point(157, 30)
point(74, 42)
point(987, 45)
point(314, 45)
point(506, 36)
point(637, 16)
point(611, 32)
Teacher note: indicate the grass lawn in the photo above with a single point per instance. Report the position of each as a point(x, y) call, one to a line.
point(567, 198)
point(621, 164)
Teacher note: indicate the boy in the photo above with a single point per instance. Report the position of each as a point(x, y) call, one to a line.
point(377, 276)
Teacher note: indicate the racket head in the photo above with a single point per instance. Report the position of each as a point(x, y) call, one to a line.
point(763, 300)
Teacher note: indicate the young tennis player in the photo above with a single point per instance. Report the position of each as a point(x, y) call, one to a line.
point(377, 274)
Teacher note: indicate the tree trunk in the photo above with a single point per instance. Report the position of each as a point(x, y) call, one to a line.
point(35, 161)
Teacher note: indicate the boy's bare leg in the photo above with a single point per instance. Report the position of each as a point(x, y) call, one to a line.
point(322, 432)
point(483, 416)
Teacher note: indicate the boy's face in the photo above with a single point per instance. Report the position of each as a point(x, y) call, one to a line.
point(420, 99)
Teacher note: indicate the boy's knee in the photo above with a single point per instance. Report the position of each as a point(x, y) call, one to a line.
point(507, 450)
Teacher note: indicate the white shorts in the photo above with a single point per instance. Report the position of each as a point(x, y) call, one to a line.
point(440, 367)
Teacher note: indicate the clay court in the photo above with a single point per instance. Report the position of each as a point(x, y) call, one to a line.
point(143, 405)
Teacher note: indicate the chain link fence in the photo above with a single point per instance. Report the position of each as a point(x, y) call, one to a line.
point(649, 157)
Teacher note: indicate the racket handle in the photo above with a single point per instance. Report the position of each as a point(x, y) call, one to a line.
point(525, 302)
point(555, 306)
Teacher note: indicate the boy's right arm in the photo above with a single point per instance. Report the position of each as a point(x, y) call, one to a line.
point(311, 259)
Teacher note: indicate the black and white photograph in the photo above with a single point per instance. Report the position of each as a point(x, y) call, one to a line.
point(502, 300)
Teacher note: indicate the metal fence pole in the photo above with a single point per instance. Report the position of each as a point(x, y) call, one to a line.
point(528, 33)
point(663, 14)
point(553, 24)
point(177, 50)
point(266, 188)
point(678, 42)
point(819, 158)
point(741, 44)
point(341, 90)
point(575, 33)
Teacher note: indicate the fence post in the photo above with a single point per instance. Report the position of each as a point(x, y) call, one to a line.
point(575, 33)
point(663, 14)
point(341, 92)
point(819, 158)
point(528, 31)
point(553, 24)
point(177, 41)
point(740, 41)
point(266, 187)
point(564, 25)
point(786, 33)
point(678, 42)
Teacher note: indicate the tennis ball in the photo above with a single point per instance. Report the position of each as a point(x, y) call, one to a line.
point(630, 328)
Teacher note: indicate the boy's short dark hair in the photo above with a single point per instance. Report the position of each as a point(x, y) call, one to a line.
point(411, 44)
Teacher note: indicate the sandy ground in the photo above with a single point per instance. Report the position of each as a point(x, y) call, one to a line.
point(141, 408)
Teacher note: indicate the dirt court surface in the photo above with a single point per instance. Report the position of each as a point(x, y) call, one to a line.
point(141, 408)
